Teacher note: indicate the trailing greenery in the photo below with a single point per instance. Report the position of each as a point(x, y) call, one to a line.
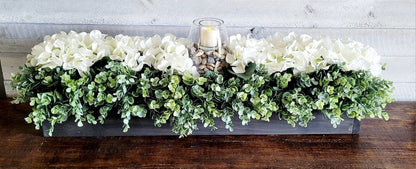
point(183, 100)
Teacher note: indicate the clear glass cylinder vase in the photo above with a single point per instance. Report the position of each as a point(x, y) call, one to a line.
point(208, 33)
point(207, 37)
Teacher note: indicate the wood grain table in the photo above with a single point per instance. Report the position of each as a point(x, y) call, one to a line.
point(381, 144)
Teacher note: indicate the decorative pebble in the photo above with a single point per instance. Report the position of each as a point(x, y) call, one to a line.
point(210, 67)
point(199, 53)
point(202, 66)
point(217, 64)
point(216, 54)
point(204, 61)
point(209, 60)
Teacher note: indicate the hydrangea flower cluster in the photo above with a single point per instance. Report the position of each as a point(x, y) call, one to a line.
point(303, 53)
point(278, 53)
point(81, 50)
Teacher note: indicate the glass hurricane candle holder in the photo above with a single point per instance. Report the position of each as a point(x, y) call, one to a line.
point(208, 33)
point(206, 38)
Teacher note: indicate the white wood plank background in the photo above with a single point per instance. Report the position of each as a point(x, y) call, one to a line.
point(387, 42)
point(280, 13)
point(387, 25)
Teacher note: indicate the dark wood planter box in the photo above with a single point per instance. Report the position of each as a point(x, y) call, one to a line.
point(145, 127)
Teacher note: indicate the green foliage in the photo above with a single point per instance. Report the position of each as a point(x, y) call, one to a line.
point(184, 100)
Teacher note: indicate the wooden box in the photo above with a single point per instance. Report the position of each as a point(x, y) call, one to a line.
point(145, 127)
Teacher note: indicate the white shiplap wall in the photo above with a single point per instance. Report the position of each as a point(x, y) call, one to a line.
point(388, 25)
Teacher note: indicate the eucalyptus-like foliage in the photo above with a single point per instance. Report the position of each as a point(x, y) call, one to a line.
point(184, 100)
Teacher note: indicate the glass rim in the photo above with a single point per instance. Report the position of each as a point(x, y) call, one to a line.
point(198, 21)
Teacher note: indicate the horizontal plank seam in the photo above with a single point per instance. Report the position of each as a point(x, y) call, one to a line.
point(15, 52)
point(382, 56)
point(185, 26)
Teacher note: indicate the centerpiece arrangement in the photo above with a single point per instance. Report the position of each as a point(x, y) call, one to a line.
point(89, 77)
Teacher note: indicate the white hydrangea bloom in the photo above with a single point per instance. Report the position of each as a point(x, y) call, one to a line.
point(72, 50)
point(81, 50)
point(174, 54)
point(246, 50)
point(303, 53)
point(278, 53)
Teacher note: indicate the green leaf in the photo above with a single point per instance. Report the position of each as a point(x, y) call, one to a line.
point(188, 79)
point(250, 68)
point(154, 105)
point(110, 98)
point(242, 96)
point(201, 80)
point(138, 111)
point(28, 120)
point(80, 124)
point(219, 79)
point(183, 100)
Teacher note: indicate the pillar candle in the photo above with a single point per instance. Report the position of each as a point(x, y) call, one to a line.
point(209, 36)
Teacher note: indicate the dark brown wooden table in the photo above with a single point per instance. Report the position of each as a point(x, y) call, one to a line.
point(381, 144)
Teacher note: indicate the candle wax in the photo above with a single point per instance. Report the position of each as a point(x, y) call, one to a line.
point(209, 36)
